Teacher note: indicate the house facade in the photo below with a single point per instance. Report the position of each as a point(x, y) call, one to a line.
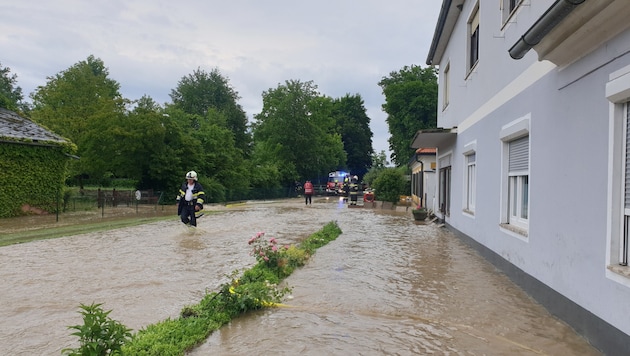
point(533, 150)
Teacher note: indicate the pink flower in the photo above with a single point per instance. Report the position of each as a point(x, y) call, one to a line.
point(266, 258)
point(272, 240)
point(274, 248)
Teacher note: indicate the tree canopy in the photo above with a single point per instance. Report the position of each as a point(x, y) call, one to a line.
point(296, 131)
point(10, 94)
point(354, 126)
point(200, 91)
point(411, 105)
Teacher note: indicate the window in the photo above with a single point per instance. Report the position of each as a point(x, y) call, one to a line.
point(508, 7)
point(623, 251)
point(473, 35)
point(445, 185)
point(518, 182)
point(515, 182)
point(471, 177)
point(445, 86)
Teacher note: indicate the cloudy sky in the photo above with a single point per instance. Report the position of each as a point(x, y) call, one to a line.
point(343, 46)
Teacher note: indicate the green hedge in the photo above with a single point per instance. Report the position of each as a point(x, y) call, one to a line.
point(32, 175)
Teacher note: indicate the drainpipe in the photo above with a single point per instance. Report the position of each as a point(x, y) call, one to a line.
point(421, 179)
point(550, 19)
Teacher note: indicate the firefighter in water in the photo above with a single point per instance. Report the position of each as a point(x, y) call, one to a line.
point(190, 199)
point(353, 188)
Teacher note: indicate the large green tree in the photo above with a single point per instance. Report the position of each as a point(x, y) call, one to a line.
point(296, 131)
point(354, 126)
point(78, 103)
point(411, 105)
point(10, 93)
point(199, 92)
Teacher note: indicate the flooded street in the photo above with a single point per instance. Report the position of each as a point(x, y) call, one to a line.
point(386, 286)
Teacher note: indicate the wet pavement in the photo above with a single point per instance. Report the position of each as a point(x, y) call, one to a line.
point(386, 286)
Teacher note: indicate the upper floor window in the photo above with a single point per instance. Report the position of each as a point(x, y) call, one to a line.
point(446, 74)
point(508, 7)
point(473, 36)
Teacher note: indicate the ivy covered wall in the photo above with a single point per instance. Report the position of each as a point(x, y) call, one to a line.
point(32, 175)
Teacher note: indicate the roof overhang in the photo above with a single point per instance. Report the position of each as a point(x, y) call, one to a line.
point(433, 138)
point(443, 29)
point(570, 29)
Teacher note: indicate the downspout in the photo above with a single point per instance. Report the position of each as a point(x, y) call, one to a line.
point(421, 180)
point(550, 19)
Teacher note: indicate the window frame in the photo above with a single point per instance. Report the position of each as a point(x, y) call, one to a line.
point(473, 39)
point(446, 90)
point(470, 178)
point(515, 182)
point(509, 8)
point(618, 94)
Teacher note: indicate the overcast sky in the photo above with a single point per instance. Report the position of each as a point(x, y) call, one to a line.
point(343, 46)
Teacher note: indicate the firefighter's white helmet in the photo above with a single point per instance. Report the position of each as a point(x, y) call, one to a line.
point(191, 175)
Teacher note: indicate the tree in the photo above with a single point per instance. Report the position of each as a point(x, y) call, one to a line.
point(10, 94)
point(379, 163)
point(354, 126)
point(78, 103)
point(296, 131)
point(200, 91)
point(411, 105)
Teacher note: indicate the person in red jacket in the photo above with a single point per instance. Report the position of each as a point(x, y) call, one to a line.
point(308, 192)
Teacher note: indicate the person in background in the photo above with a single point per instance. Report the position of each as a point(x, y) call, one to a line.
point(190, 199)
point(308, 192)
point(354, 190)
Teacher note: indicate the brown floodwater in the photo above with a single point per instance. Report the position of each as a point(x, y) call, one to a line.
point(386, 286)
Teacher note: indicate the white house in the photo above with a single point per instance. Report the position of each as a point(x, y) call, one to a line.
point(534, 150)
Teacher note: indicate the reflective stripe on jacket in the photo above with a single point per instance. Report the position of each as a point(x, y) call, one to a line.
point(198, 195)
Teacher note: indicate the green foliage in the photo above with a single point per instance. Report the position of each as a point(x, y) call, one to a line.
point(354, 126)
point(411, 105)
point(35, 175)
point(78, 103)
point(295, 131)
point(257, 288)
point(379, 162)
point(390, 184)
point(200, 92)
point(99, 335)
point(10, 94)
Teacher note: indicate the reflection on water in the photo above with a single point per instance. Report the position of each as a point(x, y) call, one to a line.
point(385, 286)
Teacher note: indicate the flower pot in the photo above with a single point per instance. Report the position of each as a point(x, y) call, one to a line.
point(420, 214)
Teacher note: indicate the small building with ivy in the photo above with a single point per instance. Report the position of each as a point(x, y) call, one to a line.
point(33, 166)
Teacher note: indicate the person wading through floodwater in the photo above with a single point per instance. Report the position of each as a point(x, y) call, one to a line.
point(308, 192)
point(190, 199)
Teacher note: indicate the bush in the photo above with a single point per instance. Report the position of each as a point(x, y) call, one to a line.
point(99, 335)
point(390, 185)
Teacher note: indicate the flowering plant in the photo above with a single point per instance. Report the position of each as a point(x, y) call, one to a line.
point(266, 251)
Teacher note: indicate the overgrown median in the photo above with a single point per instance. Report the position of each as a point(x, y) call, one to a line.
point(256, 288)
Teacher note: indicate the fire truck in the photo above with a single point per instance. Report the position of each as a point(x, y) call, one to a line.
point(334, 186)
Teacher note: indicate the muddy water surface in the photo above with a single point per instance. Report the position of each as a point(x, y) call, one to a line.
point(385, 286)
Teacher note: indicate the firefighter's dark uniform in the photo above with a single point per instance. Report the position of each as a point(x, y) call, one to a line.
point(186, 209)
point(354, 191)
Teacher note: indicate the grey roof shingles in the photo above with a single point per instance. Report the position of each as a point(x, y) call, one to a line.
point(14, 126)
